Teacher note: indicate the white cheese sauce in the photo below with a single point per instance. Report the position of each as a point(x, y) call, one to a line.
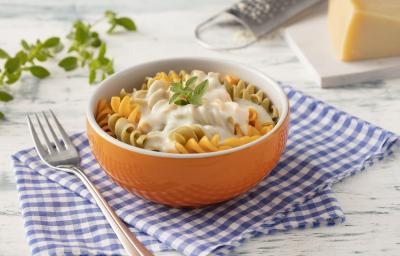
point(159, 118)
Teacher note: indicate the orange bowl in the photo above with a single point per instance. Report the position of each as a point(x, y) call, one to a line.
point(188, 180)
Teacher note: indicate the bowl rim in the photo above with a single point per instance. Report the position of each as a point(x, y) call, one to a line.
point(94, 125)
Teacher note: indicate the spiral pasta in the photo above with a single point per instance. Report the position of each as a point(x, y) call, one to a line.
point(232, 113)
point(255, 126)
point(158, 91)
point(125, 131)
point(125, 108)
point(103, 110)
point(192, 139)
point(239, 89)
point(171, 77)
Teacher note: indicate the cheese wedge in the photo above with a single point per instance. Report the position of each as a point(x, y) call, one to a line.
point(365, 29)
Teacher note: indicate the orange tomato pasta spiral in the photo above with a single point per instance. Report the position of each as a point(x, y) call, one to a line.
point(103, 110)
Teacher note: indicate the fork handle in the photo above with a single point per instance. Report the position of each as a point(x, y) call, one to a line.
point(130, 243)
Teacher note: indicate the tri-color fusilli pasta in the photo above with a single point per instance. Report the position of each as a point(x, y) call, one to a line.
point(165, 116)
point(239, 89)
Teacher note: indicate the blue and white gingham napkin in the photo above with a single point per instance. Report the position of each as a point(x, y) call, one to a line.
point(325, 145)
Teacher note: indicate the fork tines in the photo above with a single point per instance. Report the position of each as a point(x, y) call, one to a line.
point(47, 123)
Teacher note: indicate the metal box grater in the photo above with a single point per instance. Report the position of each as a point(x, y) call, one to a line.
point(258, 16)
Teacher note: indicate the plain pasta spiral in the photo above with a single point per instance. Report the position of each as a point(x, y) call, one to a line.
point(126, 108)
point(181, 112)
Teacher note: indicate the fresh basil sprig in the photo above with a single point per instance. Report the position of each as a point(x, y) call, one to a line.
point(185, 94)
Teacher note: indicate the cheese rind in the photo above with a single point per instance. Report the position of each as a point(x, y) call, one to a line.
point(365, 29)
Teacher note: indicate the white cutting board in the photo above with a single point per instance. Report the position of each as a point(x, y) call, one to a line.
point(309, 39)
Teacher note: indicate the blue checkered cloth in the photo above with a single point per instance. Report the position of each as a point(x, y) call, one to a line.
point(325, 145)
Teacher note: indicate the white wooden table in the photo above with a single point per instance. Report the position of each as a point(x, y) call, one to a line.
point(371, 200)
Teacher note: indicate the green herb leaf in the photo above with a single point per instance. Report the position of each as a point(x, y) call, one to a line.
point(69, 63)
point(3, 54)
point(110, 14)
point(201, 88)
point(94, 34)
point(92, 76)
point(195, 100)
point(174, 98)
point(94, 64)
point(5, 96)
point(13, 77)
point(110, 67)
point(176, 87)
point(127, 23)
point(41, 56)
point(190, 81)
point(39, 71)
point(1, 115)
point(81, 32)
point(25, 45)
point(102, 52)
point(188, 95)
point(72, 48)
point(103, 76)
point(85, 56)
point(12, 65)
point(104, 61)
point(21, 55)
point(80, 35)
point(181, 102)
point(51, 42)
point(187, 90)
point(84, 42)
point(96, 42)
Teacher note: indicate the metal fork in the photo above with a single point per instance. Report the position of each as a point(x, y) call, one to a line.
point(63, 156)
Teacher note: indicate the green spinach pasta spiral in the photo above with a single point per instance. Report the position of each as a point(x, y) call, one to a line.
point(125, 131)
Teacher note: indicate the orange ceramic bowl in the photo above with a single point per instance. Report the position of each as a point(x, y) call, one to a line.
point(188, 180)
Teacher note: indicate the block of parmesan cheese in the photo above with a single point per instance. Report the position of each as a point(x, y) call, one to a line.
point(365, 29)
